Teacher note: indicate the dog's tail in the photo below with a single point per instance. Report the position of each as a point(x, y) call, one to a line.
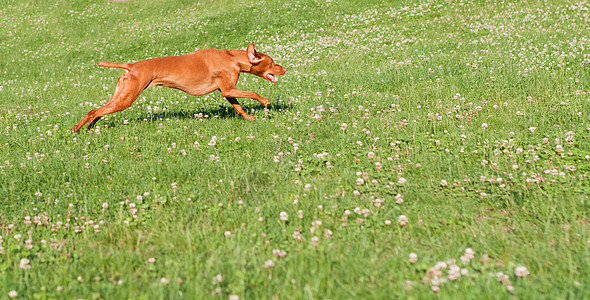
point(125, 66)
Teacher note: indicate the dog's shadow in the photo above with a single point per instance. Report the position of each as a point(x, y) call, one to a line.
point(222, 112)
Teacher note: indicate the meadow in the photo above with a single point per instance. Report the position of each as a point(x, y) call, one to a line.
point(413, 149)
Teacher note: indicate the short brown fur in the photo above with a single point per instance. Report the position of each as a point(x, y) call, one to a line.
point(197, 73)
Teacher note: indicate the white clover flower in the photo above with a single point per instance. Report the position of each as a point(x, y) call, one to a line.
point(413, 257)
point(283, 216)
point(454, 272)
point(521, 271)
point(469, 253)
point(464, 259)
point(402, 220)
point(213, 141)
point(314, 241)
point(24, 264)
point(278, 253)
point(269, 264)
point(297, 236)
point(217, 279)
point(440, 265)
point(559, 148)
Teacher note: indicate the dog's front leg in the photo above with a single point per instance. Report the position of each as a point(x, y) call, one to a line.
point(234, 102)
point(235, 93)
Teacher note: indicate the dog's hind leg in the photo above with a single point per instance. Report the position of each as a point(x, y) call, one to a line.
point(129, 87)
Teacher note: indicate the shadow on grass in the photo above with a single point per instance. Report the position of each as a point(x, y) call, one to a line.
point(222, 112)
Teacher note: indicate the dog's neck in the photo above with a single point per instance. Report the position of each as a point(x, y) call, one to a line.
point(243, 61)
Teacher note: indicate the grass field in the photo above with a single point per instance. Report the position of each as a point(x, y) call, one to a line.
point(431, 149)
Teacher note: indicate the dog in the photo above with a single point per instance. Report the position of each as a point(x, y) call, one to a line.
point(197, 73)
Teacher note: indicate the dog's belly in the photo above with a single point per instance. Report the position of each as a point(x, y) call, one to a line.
point(198, 91)
point(193, 87)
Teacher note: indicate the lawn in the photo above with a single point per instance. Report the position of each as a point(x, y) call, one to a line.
point(413, 149)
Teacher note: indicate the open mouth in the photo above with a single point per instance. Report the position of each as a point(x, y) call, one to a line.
point(272, 78)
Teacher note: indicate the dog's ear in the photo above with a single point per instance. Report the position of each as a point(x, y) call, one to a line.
point(254, 59)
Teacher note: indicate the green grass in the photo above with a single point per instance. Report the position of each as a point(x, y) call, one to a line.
point(472, 115)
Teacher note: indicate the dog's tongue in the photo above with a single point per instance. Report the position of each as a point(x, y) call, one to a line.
point(272, 78)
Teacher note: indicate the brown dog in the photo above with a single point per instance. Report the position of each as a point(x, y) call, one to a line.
point(197, 73)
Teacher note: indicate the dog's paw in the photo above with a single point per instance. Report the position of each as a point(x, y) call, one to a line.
point(249, 117)
point(265, 102)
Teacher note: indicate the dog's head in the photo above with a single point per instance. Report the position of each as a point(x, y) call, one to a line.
point(263, 65)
